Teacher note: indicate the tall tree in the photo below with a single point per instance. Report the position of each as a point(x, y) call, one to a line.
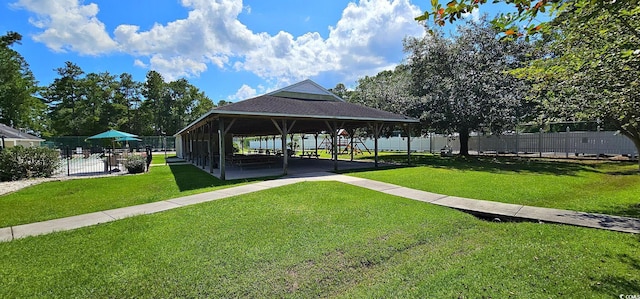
point(199, 105)
point(155, 92)
point(593, 70)
point(462, 82)
point(388, 90)
point(341, 91)
point(128, 95)
point(63, 96)
point(19, 107)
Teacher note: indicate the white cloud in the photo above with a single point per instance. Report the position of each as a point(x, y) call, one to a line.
point(475, 15)
point(245, 92)
point(139, 63)
point(69, 26)
point(367, 39)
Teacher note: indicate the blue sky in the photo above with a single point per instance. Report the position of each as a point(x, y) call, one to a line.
point(230, 49)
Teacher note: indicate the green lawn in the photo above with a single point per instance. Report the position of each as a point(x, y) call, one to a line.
point(321, 239)
point(73, 197)
point(589, 186)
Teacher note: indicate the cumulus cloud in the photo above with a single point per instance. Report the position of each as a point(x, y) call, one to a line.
point(69, 26)
point(366, 39)
point(245, 92)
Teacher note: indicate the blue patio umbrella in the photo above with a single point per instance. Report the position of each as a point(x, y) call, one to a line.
point(115, 134)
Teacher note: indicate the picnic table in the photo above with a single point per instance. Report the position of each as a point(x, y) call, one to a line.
point(254, 160)
point(309, 154)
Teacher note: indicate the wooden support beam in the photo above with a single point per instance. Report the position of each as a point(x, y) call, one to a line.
point(377, 128)
point(351, 133)
point(285, 150)
point(226, 130)
point(221, 164)
point(316, 137)
point(407, 130)
point(335, 147)
point(211, 145)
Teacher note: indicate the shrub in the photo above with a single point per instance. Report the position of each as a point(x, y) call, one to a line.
point(18, 163)
point(135, 164)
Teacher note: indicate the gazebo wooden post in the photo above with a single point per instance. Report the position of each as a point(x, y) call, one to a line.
point(407, 129)
point(190, 146)
point(335, 146)
point(284, 130)
point(315, 135)
point(333, 128)
point(285, 150)
point(195, 146)
point(351, 133)
point(376, 134)
point(199, 162)
point(221, 147)
point(211, 145)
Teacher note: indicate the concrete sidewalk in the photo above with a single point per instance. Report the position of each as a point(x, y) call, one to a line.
point(487, 208)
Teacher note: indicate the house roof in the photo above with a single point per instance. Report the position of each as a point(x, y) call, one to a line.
point(306, 102)
point(11, 133)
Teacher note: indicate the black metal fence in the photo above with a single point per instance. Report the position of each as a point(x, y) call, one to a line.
point(157, 143)
point(82, 157)
point(78, 161)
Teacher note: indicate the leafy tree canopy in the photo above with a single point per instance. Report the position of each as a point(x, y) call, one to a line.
point(18, 105)
point(462, 83)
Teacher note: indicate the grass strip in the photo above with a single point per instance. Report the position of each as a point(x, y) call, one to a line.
point(59, 199)
point(588, 186)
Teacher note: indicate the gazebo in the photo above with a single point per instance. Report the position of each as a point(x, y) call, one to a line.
point(302, 108)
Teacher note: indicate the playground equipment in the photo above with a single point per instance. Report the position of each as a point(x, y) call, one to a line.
point(346, 143)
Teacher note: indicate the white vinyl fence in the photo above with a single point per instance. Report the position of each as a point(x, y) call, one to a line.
point(554, 144)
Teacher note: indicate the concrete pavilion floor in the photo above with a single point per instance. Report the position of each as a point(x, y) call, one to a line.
point(297, 166)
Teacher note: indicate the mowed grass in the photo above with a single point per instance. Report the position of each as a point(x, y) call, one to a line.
point(320, 239)
point(74, 197)
point(589, 186)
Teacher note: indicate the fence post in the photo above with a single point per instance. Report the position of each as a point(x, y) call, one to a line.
point(566, 142)
point(598, 141)
point(67, 156)
point(517, 143)
point(540, 143)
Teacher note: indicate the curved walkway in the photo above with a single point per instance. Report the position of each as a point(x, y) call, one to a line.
point(487, 208)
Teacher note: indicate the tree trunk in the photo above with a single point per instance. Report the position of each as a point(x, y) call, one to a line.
point(464, 141)
point(636, 141)
point(635, 138)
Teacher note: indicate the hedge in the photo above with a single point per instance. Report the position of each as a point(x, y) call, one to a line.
point(18, 163)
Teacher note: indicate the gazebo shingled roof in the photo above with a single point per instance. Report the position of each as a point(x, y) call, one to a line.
point(311, 110)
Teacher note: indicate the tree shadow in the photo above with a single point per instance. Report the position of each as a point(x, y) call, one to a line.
point(628, 210)
point(623, 283)
point(494, 164)
point(382, 167)
point(189, 177)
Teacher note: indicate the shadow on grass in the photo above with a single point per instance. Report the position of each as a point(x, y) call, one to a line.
point(621, 284)
point(629, 210)
point(189, 177)
point(493, 164)
point(385, 167)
